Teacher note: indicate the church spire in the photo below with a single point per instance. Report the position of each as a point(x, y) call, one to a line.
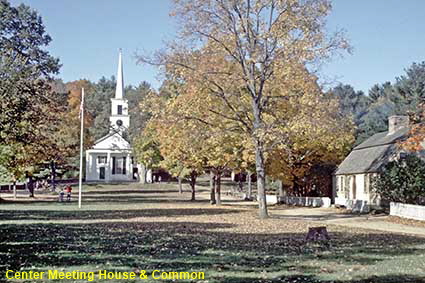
point(119, 91)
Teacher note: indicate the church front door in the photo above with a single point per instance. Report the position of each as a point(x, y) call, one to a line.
point(102, 173)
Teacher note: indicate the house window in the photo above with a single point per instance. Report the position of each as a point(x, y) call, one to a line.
point(366, 183)
point(118, 165)
point(339, 183)
point(119, 110)
point(347, 186)
point(101, 159)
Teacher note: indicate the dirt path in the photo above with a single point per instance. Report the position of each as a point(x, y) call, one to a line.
point(336, 217)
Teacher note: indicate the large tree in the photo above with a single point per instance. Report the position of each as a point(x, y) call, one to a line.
point(98, 104)
point(27, 106)
point(412, 88)
point(249, 44)
point(354, 104)
point(310, 144)
point(351, 103)
point(138, 115)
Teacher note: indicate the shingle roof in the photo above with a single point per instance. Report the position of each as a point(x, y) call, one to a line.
point(372, 154)
point(383, 138)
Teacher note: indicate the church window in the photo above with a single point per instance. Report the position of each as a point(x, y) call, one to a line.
point(119, 110)
point(101, 159)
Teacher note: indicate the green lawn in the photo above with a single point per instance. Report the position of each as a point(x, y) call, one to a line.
point(126, 228)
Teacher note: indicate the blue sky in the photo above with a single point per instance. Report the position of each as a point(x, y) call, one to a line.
point(387, 36)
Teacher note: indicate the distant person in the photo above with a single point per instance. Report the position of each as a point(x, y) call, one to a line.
point(68, 190)
point(29, 183)
point(159, 179)
point(61, 195)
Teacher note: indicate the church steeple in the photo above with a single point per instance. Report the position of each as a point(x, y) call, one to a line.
point(120, 120)
point(119, 90)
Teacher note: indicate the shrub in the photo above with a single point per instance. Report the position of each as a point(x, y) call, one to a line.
point(402, 181)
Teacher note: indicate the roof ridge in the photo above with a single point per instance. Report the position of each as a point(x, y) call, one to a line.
point(375, 145)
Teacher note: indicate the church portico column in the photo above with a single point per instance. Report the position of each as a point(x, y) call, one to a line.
point(129, 167)
point(88, 166)
point(108, 167)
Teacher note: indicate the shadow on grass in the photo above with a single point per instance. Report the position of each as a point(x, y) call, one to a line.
point(302, 278)
point(133, 191)
point(109, 214)
point(209, 247)
point(119, 196)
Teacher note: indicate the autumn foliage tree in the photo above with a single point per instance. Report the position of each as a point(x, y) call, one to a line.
point(310, 143)
point(238, 49)
point(27, 106)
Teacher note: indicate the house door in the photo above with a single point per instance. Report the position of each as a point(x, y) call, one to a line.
point(354, 187)
point(102, 173)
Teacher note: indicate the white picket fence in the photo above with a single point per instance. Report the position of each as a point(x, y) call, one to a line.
point(410, 211)
point(306, 201)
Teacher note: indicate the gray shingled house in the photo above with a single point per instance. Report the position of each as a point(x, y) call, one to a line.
point(352, 186)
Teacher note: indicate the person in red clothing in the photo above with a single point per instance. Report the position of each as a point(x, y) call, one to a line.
point(68, 191)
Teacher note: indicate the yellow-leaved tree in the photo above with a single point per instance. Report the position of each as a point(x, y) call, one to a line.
point(237, 49)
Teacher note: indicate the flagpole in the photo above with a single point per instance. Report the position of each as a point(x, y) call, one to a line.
point(80, 183)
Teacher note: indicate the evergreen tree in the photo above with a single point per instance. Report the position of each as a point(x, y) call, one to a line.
point(352, 103)
point(410, 89)
point(99, 105)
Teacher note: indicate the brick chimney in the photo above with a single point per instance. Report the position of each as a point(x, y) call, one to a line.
point(396, 123)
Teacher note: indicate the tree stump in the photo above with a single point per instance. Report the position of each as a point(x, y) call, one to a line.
point(317, 234)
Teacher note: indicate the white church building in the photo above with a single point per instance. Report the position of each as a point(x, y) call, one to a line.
point(111, 157)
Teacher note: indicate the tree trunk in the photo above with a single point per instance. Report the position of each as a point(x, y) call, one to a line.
point(142, 174)
point(193, 176)
point(53, 176)
point(240, 184)
point(212, 187)
point(218, 188)
point(281, 192)
point(180, 184)
point(261, 179)
point(14, 189)
point(249, 192)
point(211, 179)
point(296, 187)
